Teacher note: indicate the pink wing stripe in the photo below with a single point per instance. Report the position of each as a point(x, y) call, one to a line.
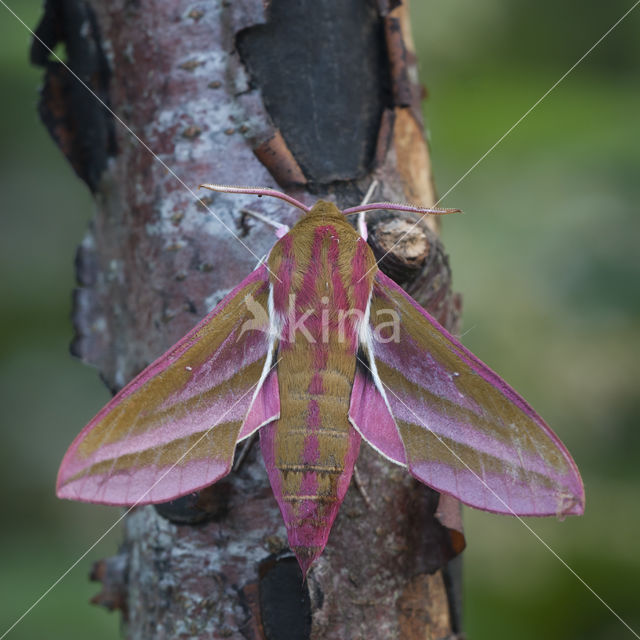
point(260, 274)
point(466, 434)
point(449, 392)
point(475, 364)
point(265, 408)
point(491, 492)
point(188, 425)
point(129, 434)
point(145, 485)
point(466, 356)
point(370, 416)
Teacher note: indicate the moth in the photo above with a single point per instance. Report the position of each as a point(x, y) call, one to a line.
point(317, 350)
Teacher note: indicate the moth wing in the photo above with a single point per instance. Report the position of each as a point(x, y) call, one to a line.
point(173, 429)
point(370, 415)
point(465, 431)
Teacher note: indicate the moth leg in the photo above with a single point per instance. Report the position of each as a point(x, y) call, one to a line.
point(246, 446)
point(362, 224)
point(370, 191)
point(262, 260)
point(360, 486)
point(281, 229)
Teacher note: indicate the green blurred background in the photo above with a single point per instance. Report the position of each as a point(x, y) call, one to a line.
point(546, 256)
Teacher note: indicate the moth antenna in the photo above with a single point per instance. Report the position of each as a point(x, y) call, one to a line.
point(258, 191)
point(399, 207)
point(280, 229)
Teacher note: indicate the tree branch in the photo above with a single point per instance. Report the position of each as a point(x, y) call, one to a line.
point(316, 97)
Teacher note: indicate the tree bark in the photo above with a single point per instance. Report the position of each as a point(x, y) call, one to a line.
point(316, 97)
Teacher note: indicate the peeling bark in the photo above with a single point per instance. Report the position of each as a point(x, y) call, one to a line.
point(225, 91)
point(77, 121)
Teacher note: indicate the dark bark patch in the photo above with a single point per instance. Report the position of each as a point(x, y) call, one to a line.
point(425, 528)
point(401, 86)
point(385, 137)
point(79, 124)
point(209, 504)
point(285, 606)
point(452, 575)
point(311, 49)
point(387, 6)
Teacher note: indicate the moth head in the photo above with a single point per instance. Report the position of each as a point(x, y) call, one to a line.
point(326, 210)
